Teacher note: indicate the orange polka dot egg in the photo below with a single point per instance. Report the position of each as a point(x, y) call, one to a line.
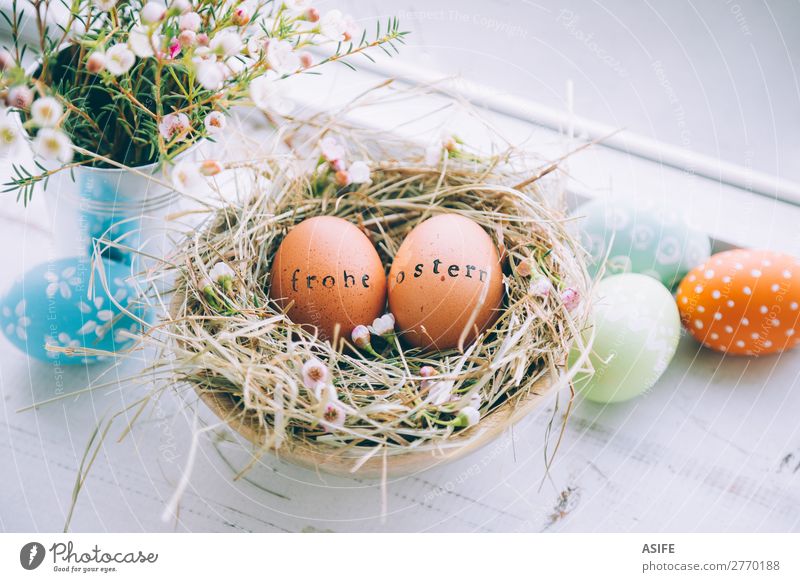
point(743, 302)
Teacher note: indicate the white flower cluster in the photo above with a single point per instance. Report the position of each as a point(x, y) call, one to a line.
point(382, 326)
point(249, 46)
point(223, 45)
point(241, 48)
point(434, 391)
point(316, 380)
point(334, 153)
point(44, 116)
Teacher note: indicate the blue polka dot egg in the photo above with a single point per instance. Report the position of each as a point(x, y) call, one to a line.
point(633, 237)
point(52, 305)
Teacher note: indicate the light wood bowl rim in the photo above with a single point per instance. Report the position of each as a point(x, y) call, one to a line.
point(395, 463)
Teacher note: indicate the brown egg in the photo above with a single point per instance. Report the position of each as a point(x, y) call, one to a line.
point(332, 273)
point(445, 281)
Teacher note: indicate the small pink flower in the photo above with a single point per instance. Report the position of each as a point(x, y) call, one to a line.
point(210, 167)
point(210, 75)
point(361, 336)
point(570, 298)
point(383, 325)
point(187, 38)
point(215, 122)
point(359, 173)
point(182, 6)
point(10, 134)
point(119, 58)
point(282, 57)
point(241, 16)
point(226, 43)
point(174, 48)
point(342, 178)
point(427, 372)
point(202, 39)
point(190, 21)
point(46, 112)
point(352, 29)
point(96, 62)
point(174, 125)
point(541, 286)
point(333, 416)
point(306, 60)
point(20, 97)
point(153, 12)
point(333, 26)
point(52, 144)
point(331, 149)
point(315, 374)
point(6, 60)
point(186, 176)
point(257, 44)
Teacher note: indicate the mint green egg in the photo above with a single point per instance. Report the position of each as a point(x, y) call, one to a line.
point(630, 237)
point(636, 331)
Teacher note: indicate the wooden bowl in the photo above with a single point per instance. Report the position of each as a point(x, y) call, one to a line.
point(396, 462)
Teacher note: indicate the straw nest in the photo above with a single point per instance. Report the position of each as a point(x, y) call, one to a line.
point(245, 358)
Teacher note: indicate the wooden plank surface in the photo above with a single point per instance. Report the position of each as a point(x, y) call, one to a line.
point(715, 446)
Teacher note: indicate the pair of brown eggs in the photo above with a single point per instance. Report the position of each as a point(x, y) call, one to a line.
point(445, 285)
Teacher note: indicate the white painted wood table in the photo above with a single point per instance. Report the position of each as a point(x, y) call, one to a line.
point(715, 446)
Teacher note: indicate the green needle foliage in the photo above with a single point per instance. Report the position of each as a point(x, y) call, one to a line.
point(135, 82)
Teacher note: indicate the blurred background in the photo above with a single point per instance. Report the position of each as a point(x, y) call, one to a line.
point(719, 77)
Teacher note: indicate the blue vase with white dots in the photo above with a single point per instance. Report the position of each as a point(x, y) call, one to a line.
point(57, 311)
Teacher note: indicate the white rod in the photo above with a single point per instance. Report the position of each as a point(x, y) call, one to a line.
point(623, 140)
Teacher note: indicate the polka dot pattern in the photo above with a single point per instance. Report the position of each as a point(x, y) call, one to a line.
point(743, 302)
